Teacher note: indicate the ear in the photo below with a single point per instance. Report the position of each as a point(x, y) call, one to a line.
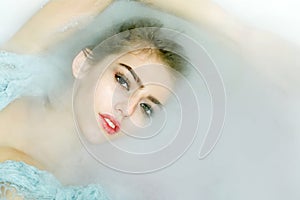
point(78, 63)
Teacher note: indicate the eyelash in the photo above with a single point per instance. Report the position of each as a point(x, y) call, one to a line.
point(121, 79)
point(146, 108)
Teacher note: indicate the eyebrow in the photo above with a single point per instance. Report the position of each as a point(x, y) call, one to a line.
point(139, 82)
point(134, 75)
point(154, 100)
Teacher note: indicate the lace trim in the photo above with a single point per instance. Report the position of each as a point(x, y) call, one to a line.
point(27, 181)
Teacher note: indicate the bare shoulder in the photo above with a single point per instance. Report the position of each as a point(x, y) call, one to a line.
point(9, 153)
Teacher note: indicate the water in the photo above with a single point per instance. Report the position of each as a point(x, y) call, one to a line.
point(257, 156)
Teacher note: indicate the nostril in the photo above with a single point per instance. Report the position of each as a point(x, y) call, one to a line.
point(126, 108)
point(120, 111)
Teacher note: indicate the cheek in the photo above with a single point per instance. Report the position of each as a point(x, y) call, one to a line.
point(139, 119)
point(104, 94)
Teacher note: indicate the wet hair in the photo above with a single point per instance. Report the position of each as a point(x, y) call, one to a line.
point(141, 34)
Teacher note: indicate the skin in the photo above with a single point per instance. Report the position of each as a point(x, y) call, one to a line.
point(206, 15)
point(133, 87)
point(6, 153)
point(30, 39)
point(9, 152)
point(48, 34)
point(27, 111)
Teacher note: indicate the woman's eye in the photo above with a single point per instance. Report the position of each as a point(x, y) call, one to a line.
point(146, 109)
point(122, 80)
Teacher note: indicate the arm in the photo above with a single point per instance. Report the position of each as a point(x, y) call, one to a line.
point(54, 22)
point(204, 13)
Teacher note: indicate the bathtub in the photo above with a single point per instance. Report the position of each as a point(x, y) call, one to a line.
point(257, 156)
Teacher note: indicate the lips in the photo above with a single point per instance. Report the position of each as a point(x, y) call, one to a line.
point(110, 125)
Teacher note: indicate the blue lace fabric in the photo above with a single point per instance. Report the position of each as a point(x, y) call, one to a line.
point(18, 76)
point(23, 181)
point(22, 75)
point(28, 75)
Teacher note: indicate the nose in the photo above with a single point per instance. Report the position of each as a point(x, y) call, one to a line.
point(121, 109)
point(127, 107)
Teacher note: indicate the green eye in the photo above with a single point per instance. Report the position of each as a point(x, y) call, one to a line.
point(146, 109)
point(122, 80)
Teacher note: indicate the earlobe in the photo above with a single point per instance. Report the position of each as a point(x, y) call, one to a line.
point(78, 63)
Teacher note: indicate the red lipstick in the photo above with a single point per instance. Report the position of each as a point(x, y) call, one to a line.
point(109, 123)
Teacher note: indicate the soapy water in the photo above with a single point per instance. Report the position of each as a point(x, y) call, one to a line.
point(175, 128)
point(257, 157)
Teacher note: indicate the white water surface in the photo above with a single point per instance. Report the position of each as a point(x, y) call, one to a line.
point(258, 155)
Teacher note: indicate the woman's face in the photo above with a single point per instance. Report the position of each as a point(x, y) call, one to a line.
point(134, 87)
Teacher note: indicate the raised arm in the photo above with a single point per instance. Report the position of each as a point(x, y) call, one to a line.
point(55, 21)
point(204, 13)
